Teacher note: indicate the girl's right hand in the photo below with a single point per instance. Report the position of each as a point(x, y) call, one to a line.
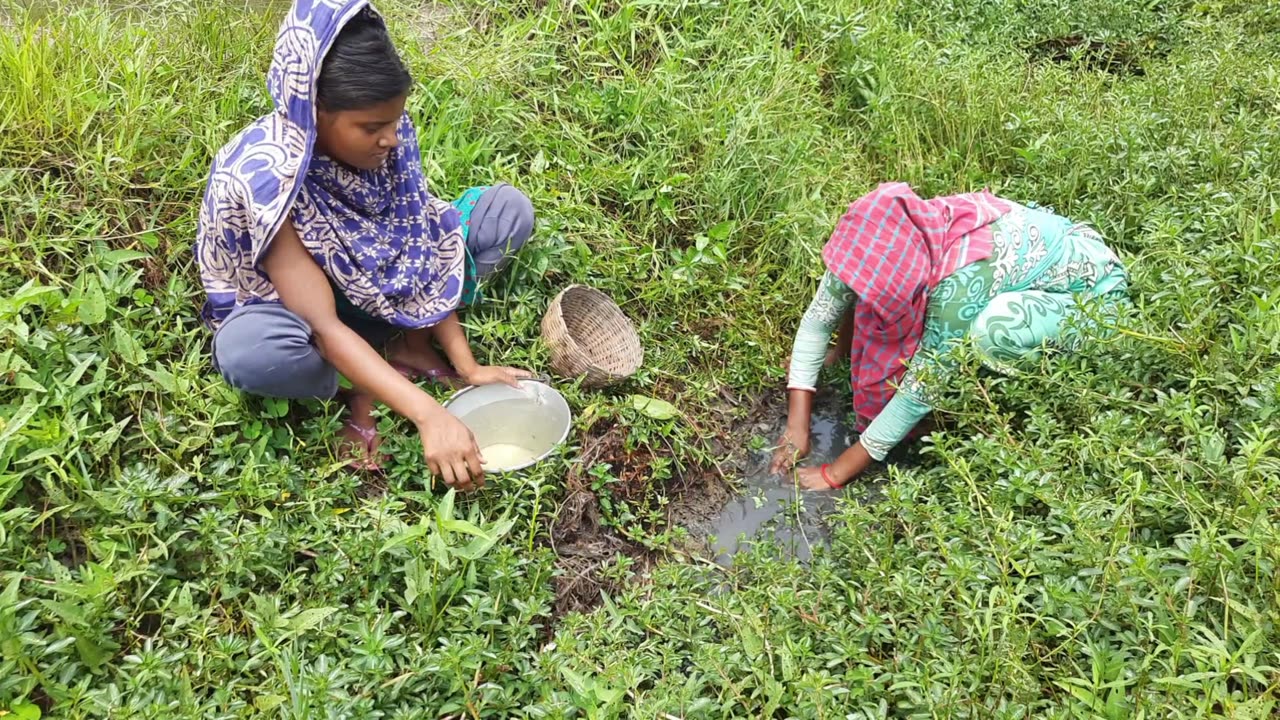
point(792, 446)
point(451, 451)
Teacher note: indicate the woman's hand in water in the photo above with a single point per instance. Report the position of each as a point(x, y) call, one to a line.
point(451, 452)
point(810, 478)
point(493, 374)
point(792, 446)
point(851, 463)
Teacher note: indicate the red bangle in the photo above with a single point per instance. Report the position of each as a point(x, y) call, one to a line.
point(827, 477)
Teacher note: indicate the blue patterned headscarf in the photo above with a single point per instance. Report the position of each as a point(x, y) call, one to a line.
point(386, 244)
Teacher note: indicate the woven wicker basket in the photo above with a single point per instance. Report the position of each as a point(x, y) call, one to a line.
point(589, 337)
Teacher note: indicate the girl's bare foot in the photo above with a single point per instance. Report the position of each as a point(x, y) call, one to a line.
point(359, 434)
point(413, 355)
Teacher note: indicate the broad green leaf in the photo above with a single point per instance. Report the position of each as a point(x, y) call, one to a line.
point(751, 641)
point(91, 653)
point(276, 407)
point(444, 511)
point(24, 381)
point(93, 304)
point(463, 526)
point(265, 703)
point(77, 372)
point(410, 590)
point(476, 549)
point(439, 551)
point(608, 695)
point(9, 485)
point(9, 597)
point(115, 257)
point(252, 431)
point(501, 528)
point(105, 439)
point(404, 538)
point(788, 663)
point(653, 407)
point(308, 619)
point(1079, 688)
point(720, 231)
point(20, 329)
point(25, 711)
point(127, 346)
point(575, 680)
point(13, 362)
point(29, 293)
point(163, 378)
point(65, 611)
point(11, 425)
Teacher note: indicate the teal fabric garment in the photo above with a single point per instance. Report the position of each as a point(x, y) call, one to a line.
point(1026, 297)
point(471, 278)
point(470, 286)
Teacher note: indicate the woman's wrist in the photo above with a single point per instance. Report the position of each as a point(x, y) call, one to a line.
point(466, 368)
point(453, 341)
point(796, 432)
point(799, 411)
point(849, 465)
point(425, 410)
point(837, 474)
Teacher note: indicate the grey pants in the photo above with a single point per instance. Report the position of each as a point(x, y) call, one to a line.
point(265, 349)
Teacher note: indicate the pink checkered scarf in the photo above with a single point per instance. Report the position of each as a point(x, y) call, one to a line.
point(891, 249)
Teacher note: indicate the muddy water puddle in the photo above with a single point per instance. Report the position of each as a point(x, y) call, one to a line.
point(771, 507)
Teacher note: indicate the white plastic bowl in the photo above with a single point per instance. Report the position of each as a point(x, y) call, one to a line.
point(519, 427)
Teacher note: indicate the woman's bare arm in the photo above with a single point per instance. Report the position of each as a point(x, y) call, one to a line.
point(304, 289)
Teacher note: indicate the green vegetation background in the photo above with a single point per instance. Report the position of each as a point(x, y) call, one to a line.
point(1095, 538)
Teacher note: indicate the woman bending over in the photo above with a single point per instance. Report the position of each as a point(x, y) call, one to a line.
point(908, 279)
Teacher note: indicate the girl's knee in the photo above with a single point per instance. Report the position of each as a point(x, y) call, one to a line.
point(501, 224)
point(267, 350)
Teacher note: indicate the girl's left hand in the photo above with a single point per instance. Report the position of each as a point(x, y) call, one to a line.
point(810, 478)
point(492, 374)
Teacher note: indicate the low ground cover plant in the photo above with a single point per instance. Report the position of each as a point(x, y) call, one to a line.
point(1096, 537)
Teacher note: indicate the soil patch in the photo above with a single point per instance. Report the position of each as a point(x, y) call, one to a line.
point(702, 498)
point(584, 545)
point(65, 542)
point(696, 505)
point(588, 550)
point(1117, 58)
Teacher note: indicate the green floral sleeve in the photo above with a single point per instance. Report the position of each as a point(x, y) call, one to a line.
point(829, 304)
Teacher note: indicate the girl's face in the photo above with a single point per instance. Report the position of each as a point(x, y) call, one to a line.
point(360, 138)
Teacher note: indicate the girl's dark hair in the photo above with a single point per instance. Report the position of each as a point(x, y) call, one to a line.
point(362, 68)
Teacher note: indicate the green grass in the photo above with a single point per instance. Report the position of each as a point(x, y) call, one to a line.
point(1097, 538)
